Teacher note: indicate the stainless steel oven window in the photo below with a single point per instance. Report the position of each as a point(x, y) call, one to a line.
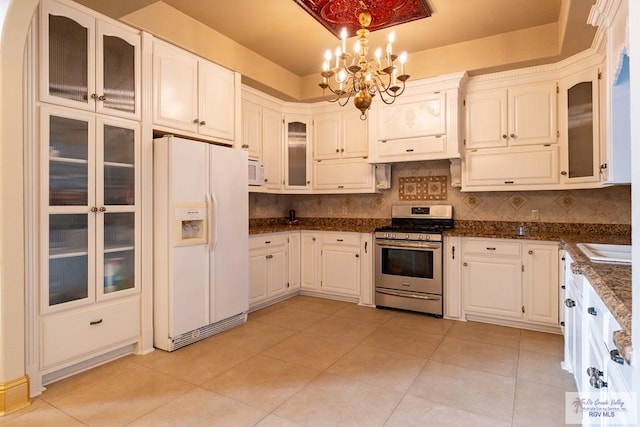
point(407, 262)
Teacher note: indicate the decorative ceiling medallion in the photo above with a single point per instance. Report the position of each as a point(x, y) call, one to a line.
point(338, 14)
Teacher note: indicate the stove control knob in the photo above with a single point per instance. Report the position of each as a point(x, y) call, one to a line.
point(386, 235)
point(393, 236)
point(421, 237)
point(407, 237)
point(427, 237)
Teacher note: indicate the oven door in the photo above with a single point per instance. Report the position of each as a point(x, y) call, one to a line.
point(409, 266)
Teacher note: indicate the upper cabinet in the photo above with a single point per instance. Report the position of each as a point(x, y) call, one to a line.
point(297, 152)
point(193, 96)
point(520, 115)
point(339, 134)
point(422, 124)
point(89, 63)
point(580, 130)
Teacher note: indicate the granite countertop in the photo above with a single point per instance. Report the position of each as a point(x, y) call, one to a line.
point(611, 282)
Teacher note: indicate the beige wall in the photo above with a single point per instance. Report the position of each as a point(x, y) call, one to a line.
point(610, 205)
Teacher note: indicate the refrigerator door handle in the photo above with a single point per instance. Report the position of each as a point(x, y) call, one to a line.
point(213, 221)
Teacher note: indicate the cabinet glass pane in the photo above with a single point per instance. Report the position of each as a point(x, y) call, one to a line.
point(67, 59)
point(119, 74)
point(68, 145)
point(580, 128)
point(119, 255)
point(119, 157)
point(68, 258)
point(297, 153)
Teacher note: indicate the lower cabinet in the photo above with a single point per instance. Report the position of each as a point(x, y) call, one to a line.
point(331, 264)
point(590, 354)
point(510, 281)
point(340, 264)
point(268, 267)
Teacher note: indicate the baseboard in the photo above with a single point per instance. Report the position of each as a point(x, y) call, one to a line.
point(14, 395)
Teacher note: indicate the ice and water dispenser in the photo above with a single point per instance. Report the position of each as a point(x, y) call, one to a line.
point(191, 225)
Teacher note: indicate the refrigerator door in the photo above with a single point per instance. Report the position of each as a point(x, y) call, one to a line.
point(229, 233)
point(189, 293)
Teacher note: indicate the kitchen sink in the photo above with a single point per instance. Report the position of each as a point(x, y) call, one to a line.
point(605, 253)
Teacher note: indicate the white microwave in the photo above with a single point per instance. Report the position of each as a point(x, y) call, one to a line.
point(256, 172)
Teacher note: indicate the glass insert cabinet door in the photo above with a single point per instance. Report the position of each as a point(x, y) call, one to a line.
point(297, 153)
point(89, 191)
point(88, 63)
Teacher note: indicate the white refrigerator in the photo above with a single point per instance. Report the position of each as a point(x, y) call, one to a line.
point(201, 240)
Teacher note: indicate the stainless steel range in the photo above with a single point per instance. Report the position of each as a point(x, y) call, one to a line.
point(408, 258)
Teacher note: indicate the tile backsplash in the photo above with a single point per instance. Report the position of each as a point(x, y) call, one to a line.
point(611, 205)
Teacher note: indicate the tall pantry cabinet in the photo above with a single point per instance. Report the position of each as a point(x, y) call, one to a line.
point(89, 189)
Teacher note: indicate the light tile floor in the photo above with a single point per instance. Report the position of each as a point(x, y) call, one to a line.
point(318, 362)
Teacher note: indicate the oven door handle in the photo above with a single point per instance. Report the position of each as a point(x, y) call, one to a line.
point(408, 295)
point(394, 244)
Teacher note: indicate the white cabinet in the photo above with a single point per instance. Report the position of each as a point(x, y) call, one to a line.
point(541, 266)
point(293, 282)
point(88, 63)
point(192, 95)
point(309, 260)
point(452, 277)
point(422, 124)
point(268, 267)
point(297, 152)
point(339, 135)
point(90, 238)
point(348, 175)
point(492, 278)
point(511, 280)
point(506, 168)
point(520, 115)
point(252, 129)
point(579, 127)
point(340, 264)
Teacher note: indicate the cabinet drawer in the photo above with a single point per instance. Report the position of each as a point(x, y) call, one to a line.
point(491, 247)
point(341, 239)
point(82, 332)
point(267, 240)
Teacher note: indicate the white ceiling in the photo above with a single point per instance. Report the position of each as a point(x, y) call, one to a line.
point(284, 33)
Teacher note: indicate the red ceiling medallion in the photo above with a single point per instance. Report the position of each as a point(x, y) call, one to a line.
point(338, 14)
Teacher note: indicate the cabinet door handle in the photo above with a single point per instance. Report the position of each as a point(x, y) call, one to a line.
point(337, 151)
point(95, 322)
point(245, 145)
point(94, 209)
point(530, 252)
point(615, 356)
point(313, 239)
point(569, 303)
point(464, 264)
point(563, 173)
point(365, 247)
point(342, 150)
point(409, 150)
point(453, 252)
point(357, 255)
point(491, 249)
point(102, 209)
point(202, 123)
point(102, 98)
point(94, 96)
point(592, 311)
point(504, 136)
point(513, 135)
point(267, 242)
point(594, 372)
point(196, 121)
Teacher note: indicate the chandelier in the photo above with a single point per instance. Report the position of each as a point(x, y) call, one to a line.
point(362, 77)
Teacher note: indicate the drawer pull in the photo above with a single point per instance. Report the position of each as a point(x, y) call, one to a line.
point(267, 242)
point(615, 356)
point(95, 322)
point(491, 249)
point(592, 311)
point(569, 303)
point(597, 382)
point(340, 240)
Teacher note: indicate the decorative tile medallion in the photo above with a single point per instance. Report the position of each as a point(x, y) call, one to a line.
point(423, 188)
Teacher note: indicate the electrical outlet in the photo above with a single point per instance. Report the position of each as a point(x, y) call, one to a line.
point(535, 214)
